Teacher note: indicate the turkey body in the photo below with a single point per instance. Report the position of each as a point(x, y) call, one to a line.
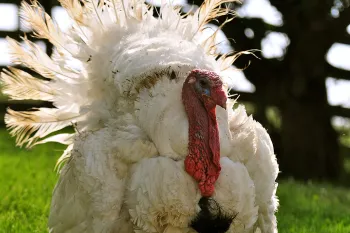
point(151, 152)
point(139, 157)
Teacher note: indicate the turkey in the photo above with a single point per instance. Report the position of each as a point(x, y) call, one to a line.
point(158, 145)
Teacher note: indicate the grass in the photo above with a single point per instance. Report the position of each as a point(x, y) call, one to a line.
point(27, 180)
point(313, 208)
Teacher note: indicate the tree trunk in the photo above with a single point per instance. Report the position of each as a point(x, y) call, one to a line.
point(309, 143)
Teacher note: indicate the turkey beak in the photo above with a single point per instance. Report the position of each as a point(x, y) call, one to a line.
point(223, 106)
point(220, 98)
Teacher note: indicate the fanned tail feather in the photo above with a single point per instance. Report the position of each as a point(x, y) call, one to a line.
point(63, 138)
point(20, 85)
point(210, 10)
point(43, 26)
point(209, 45)
point(75, 10)
point(36, 59)
point(30, 126)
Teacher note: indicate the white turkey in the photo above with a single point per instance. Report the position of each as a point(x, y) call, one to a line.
point(157, 145)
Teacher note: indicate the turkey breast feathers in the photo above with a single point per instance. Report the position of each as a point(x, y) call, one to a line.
point(139, 158)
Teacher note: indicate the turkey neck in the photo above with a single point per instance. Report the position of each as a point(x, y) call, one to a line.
point(203, 159)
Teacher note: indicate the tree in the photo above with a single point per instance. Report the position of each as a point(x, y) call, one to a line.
point(306, 145)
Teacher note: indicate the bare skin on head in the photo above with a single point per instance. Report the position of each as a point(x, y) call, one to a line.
point(201, 92)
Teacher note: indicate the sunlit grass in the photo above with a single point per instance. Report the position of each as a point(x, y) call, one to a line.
point(27, 180)
point(313, 208)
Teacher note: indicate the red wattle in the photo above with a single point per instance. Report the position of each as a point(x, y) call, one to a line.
point(203, 159)
point(198, 170)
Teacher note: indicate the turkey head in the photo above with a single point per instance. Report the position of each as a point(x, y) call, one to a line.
point(201, 92)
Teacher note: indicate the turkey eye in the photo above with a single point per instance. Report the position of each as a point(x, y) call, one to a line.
point(203, 83)
point(203, 86)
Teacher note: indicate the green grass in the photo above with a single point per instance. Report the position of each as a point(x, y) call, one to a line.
point(27, 180)
point(313, 208)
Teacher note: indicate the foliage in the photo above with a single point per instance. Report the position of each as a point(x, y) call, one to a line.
point(27, 180)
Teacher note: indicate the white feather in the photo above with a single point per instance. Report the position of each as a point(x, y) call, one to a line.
point(34, 58)
point(123, 169)
point(19, 85)
point(34, 17)
point(39, 123)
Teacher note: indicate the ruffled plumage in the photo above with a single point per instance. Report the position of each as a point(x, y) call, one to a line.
point(78, 45)
point(108, 77)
